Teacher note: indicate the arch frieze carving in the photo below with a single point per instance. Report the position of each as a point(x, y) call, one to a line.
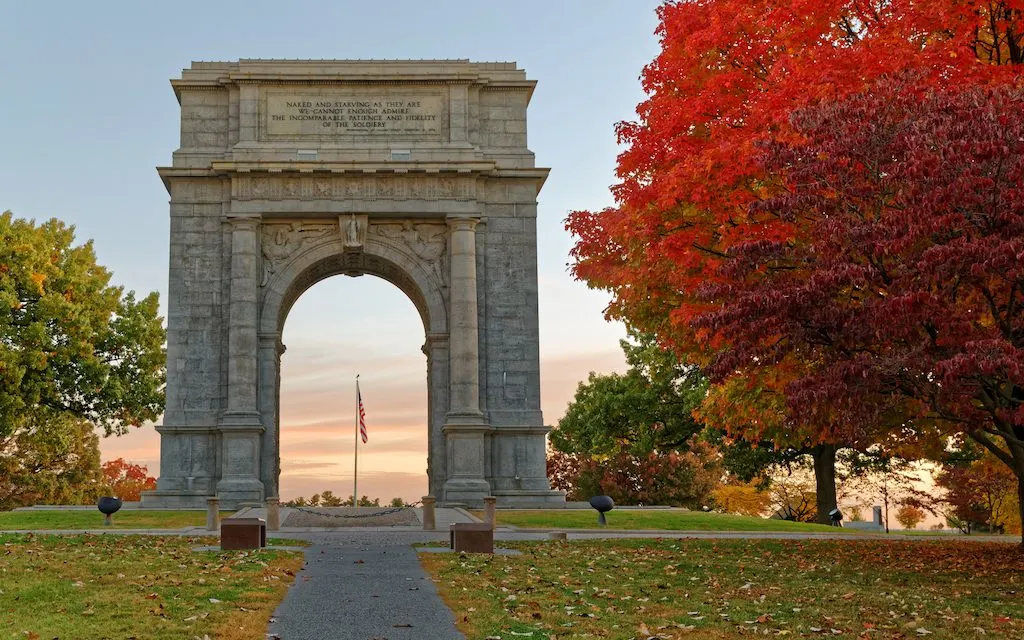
point(424, 242)
point(281, 241)
point(353, 187)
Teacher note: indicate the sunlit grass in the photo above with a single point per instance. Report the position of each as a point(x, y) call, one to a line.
point(137, 587)
point(682, 589)
point(659, 519)
point(93, 519)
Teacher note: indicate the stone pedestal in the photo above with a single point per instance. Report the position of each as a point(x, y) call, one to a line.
point(429, 522)
point(490, 514)
point(273, 514)
point(212, 514)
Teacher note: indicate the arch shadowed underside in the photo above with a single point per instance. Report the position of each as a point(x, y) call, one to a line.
point(330, 259)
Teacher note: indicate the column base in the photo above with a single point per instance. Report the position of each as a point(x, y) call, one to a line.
point(173, 500)
point(466, 491)
point(242, 420)
point(526, 499)
point(235, 493)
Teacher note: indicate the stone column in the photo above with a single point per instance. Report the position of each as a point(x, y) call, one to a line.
point(270, 351)
point(243, 315)
point(241, 425)
point(436, 349)
point(464, 337)
point(465, 426)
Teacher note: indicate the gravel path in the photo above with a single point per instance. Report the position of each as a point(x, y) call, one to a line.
point(363, 585)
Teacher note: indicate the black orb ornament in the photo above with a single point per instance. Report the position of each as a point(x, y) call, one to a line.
point(603, 504)
point(108, 506)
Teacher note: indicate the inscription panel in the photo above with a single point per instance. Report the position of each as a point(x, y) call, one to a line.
point(351, 112)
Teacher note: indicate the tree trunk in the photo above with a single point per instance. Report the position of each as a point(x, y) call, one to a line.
point(825, 480)
point(1020, 503)
point(1017, 455)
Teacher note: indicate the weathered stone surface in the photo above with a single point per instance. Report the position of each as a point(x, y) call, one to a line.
point(291, 171)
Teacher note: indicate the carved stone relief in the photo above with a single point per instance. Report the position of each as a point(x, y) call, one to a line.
point(425, 241)
point(353, 231)
point(354, 187)
point(282, 240)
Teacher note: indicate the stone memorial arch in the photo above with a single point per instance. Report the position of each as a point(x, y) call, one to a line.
point(292, 171)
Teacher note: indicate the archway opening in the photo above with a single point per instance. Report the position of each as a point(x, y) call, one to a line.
point(338, 328)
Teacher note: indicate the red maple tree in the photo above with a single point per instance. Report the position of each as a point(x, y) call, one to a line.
point(127, 480)
point(729, 74)
point(728, 78)
point(902, 285)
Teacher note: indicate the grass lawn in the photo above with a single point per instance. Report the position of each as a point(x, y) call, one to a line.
point(93, 519)
point(670, 520)
point(136, 587)
point(681, 589)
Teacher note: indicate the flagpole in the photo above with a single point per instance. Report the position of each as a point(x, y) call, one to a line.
point(355, 470)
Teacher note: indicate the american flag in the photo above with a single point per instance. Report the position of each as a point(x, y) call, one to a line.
point(362, 414)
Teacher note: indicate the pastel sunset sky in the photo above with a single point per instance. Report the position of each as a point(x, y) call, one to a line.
point(86, 114)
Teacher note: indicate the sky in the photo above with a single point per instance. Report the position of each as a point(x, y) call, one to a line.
point(87, 113)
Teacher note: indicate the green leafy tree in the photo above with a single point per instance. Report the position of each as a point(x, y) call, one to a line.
point(633, 437)
point(49, 458)
point(328, 499)
point(71, 344)
point(649, 408)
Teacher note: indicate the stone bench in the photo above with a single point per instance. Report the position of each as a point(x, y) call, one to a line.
point(243, 533)
point(472, 537)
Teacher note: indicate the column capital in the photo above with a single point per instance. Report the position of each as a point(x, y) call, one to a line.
point(272, 341)
point(436, 340)
point(462, 223)
point(243, 223)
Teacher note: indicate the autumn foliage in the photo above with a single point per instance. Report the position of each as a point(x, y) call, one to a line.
point(747, 499)
point(909, 516)
point(683, 479)
point(821, 205)
point(981, 495)
point(126, 480)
